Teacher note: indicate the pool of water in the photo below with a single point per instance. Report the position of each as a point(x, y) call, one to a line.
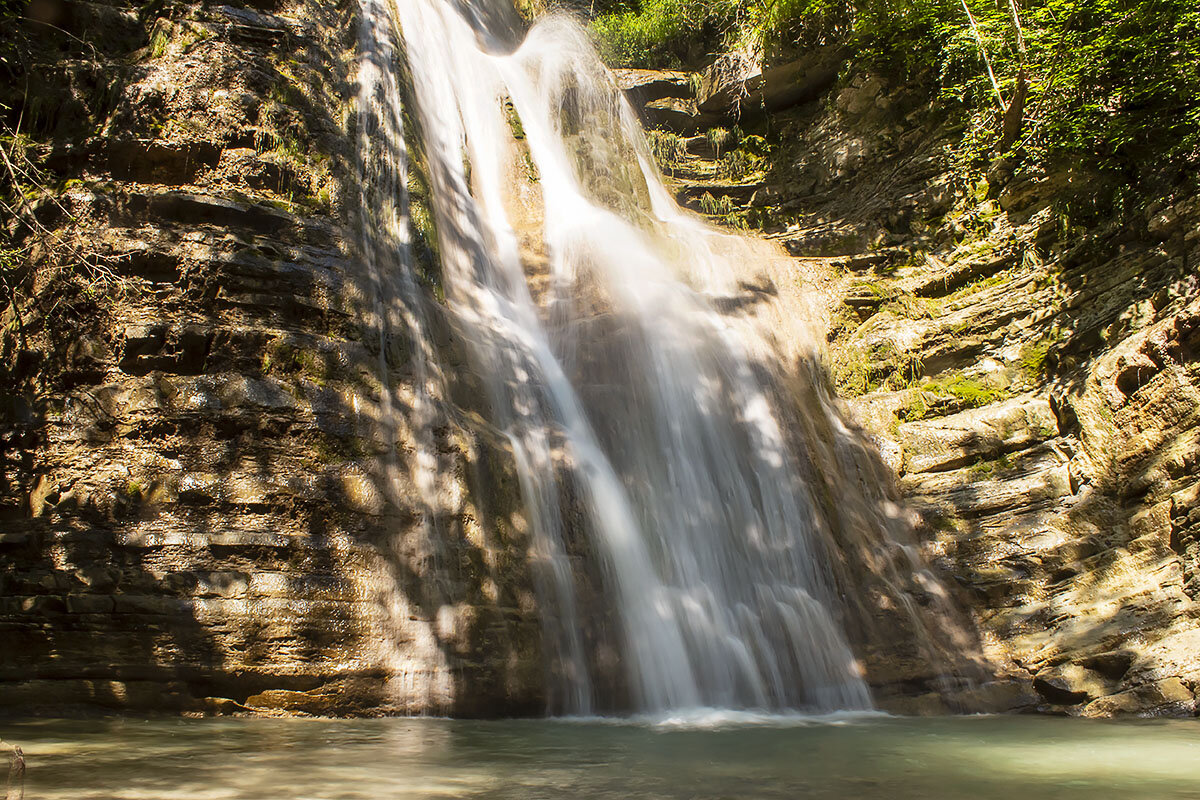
point(700, 757)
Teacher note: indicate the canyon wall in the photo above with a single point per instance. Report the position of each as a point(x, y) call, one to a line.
point(1028, 372)
point(222, 493)
point(211, 489)
point(208, 493)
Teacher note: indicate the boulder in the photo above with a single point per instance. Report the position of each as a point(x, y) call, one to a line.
point(775, 88)
point(1168, 697)
point(643, 86)
point(679, 116)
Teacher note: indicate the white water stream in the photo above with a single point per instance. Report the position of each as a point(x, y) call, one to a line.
point(641, 432)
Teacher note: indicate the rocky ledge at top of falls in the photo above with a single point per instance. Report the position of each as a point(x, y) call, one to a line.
point(1035, 391)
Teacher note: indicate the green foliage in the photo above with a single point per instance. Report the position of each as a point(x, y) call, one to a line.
point(668, 149)
point(712, 206)
point(653, 33)
point(159, 42)
point(731, 216)
point(753, 144)
point(1121, 77)
point(899, 302)
point(1113, 85)
point(982, 470)
point(735, 164)
point(11, 258)
point(882, 365)
point(969, 392)
point(181, 36)
point(718, 138)
point(13, 263)
point(964, 392)
point(658, 33)
point(514, 121)
point(1033, 359)
point(747, 158)
point(851, 371)
point(12, 9)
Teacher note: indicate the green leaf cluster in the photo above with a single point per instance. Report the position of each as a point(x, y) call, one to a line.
point(1113, 85)
point(659, 33)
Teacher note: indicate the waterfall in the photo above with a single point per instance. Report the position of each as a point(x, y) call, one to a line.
point(674, 532)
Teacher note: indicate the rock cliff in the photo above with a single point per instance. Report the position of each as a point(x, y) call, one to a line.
point(1031, 380)
point(207, 493)
point(210, 475)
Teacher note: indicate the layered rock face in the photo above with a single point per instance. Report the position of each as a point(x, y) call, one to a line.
point(209, 494)
point(1033, 384)
point(223, 491)
point(215, 500)
point(234, 481)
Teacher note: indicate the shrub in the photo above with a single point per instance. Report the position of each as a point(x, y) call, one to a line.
point(1112, 85)
point(667, 148)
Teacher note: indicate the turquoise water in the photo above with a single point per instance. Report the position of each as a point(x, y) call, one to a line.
point(1015, 758)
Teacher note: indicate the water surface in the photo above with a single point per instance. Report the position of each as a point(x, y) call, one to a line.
point(1015, 758)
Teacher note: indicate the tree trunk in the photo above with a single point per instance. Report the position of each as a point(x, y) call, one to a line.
point(1014, 116)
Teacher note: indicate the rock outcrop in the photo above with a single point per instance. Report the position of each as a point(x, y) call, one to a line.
point(1033, 386)
point(729, 86)
point(208, 495)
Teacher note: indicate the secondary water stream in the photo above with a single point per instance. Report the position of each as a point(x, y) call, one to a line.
point(867, 758)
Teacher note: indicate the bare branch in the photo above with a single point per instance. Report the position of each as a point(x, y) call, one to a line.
point(1016, 18)
point(986, 61)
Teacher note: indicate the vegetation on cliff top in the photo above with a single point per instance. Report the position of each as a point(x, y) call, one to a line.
point(1106, 87)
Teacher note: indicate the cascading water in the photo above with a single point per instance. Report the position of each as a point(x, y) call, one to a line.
point(642, 432)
